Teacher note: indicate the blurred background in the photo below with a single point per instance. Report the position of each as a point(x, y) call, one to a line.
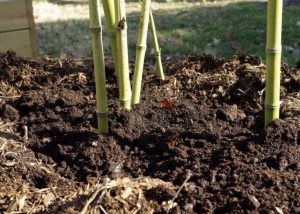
point(222, 28)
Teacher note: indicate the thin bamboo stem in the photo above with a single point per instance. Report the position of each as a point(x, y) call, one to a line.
point(159, 67)
point(273, 60)
point(99, 66)
point(122, 47)
point(141, 51)
point(110, 17)
point(157, 50)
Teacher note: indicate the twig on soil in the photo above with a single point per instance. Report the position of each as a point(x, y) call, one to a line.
point(17, 212)
point(93, 197)
point(25, 132)
point(240, 90)
point(103, 210)
point(179, 190)
point(138, 205)
point(54, 192)
point(20, 199)
point(2, 147)
point(10, 97)
point(102, 196)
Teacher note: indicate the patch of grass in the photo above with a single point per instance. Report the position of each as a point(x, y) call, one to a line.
point(70, 37)
point(224, 31)
point(185, 28)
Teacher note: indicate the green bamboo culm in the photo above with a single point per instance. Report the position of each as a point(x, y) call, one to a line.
point(273, 60)
point(99, 66)
point(110, 18)
point(159, 67)
point(141, 51)
point(122, 47)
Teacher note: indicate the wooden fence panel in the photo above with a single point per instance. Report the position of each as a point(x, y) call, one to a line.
point(18, 41)
point(13, 15)
point(17, 30)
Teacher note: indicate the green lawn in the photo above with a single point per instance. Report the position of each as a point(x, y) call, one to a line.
point(184, 28)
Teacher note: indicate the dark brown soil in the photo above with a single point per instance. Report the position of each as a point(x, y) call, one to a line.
point(202, 127)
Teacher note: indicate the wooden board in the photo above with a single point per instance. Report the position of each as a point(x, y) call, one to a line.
point(17, 30)
point(32, 30)
point(13, 15)
point(18, 41)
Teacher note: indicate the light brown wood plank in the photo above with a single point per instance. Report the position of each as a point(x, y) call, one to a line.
point(19, 41)
point(13, 15)
point(33, 38)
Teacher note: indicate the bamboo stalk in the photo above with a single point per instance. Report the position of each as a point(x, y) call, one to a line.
point(110, 17)
point(160, 70)
point(99, 66)
point(122, 47)
point(141, 51)
point(273, 60)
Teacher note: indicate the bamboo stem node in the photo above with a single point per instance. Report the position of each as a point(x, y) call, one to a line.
point(126, 104)
point(124, 101)
point(101, 114)
point(95, 29)
point(274, 50)
point(272, 106)
point(158, 53)
point(141, 47)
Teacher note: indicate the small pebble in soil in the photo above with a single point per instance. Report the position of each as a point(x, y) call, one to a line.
point(227, 113)
point(11, 113)
point(76, 113)
point(160, 194)
point(297, 210)
point(252, 202)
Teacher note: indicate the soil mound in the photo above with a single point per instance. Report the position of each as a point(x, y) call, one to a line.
point(195, 144)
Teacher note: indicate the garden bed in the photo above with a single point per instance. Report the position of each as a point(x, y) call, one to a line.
point(195, 144)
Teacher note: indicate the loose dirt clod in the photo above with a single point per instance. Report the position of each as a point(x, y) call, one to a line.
point(205, 120)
